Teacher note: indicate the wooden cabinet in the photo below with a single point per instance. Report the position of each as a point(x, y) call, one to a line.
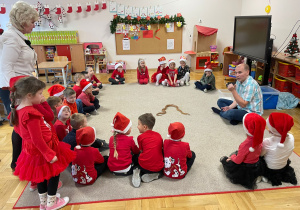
point(74, 52)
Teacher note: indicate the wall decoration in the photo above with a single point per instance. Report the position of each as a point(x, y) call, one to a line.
point(103, 4)
point(97, 6)
point(170, 27)
point(126, 44)
point(70, 9)
point(121, 9)
point(170, 44)
point(151, 11)
point(88, 7)
point(128, 11)
point(79, 8)
point(158, 10)
point(113, 6)
point(2, 9)
point(135, 12)
point(144, 12)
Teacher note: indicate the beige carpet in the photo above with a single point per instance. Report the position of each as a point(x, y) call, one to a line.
point(210, 137)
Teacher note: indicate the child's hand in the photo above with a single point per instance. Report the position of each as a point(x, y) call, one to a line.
point(43, 99)
point(96, 89)
point(99, 84)
point(117, 80)
point(171, 83)
point(228, 159)
point(161, 68)
point(54, 160)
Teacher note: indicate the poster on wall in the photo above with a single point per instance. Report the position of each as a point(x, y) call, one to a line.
point(158, 10)
point(121, 9)
point(119, 29)
point(135, 12)
point(128, 11)
point(143, 12)
point(151, 11)
point(126, 44)
point(113, 6)
point(170, 44)
point(170, 28)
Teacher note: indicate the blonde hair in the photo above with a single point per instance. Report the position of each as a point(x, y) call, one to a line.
point(78, 76)
point(77, 120)
point(22, 14)
point(115, 145)
point(139, 64)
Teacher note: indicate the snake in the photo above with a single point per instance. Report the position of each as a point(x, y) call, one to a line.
point(163, 111)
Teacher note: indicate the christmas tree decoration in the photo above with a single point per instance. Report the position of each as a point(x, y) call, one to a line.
point(293, 48)
point(88, 7)
point(158, 17)
point(148, 18)
point(179, 24)
point(38, 22)
point(79, 8)
point(268, 9)
point(2, 9)
point(58, 10)
point(167, 16)
point(46, 9)
point(138, 18)
point(115, 16)
point(70, 9)
point(178, 15)
point(128, 17)
point(97, 6)
point(103, 4)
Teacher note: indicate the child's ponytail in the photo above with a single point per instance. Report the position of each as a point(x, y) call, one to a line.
point(115, 145)
point(13, 118)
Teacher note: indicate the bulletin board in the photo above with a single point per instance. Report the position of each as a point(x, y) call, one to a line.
point(152, 45)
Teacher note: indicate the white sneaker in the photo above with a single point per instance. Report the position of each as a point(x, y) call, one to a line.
point(150, 177)
point(258, 180)
point(94, 112)
point(264, 179)
point(136, 179)
point(157, 84)
point(187, 84)
point(205, 90)
point(181, 83)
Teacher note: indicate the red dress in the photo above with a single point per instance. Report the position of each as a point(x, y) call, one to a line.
point(143, 76)
point(163, 72)
point(40, 145)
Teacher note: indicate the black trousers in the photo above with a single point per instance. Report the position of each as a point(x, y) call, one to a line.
point(144, 171)
point(200, 86)
point(50, 187)
point(16, 148)
point(133, 164)
point(89, 109)
point(190, 161)
point(114, 82)
point(100, 168)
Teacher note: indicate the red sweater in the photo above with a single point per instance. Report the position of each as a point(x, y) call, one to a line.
point(244, 155)
point(172, 73)
point(164, 71)
point(116, 74)
point(78, 90)
point(143, 74)
point(62, 129)
point(94, 80)
point(125, 145)
point(86, 99)
point(151, 145)
point(175, 154)
point(83, 167)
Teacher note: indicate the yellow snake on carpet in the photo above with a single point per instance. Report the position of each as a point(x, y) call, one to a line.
point(163, 111)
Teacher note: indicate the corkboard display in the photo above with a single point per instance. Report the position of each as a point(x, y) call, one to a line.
point(152, 45)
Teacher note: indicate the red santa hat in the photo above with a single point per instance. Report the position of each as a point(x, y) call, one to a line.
point(60, 109)
point(182, 58)
point(162, 60)
point(176, 131)
point(280, 124)
point(85, 84)
point(85, 136)
point(254, 125)
point(208, 66)
point(56, 90)
point(171, 61)
point(13, 81)
point(117, 65)
point(121, 124)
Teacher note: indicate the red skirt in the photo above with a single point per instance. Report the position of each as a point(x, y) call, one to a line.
point(35, 168)
point(163, 77)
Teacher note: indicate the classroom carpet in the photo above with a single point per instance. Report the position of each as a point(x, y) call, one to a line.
point(209, 136)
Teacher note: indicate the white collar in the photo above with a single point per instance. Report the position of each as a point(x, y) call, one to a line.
point(18, 32)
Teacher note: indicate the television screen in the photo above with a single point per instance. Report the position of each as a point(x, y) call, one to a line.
point(251, 36)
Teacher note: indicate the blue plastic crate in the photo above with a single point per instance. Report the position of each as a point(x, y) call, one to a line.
point(270, 97)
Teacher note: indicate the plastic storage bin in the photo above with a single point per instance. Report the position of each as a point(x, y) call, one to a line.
point(296, 90)
point(286, 69)
point(297, 72)
point(283, 85)
point(270, 97)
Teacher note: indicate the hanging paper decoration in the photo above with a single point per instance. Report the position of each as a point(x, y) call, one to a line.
point(97, 7)
point(49, 17)
point(70, 9)
point(39, 6)
point(58, 10)
point(60, 19)
point(268, 9)
point(47, 10)
point(51, 25)
point(167, 25)
point(38, 22)
point(149, 27)
point(79, 8)
point(103, 4)
point(88, 7)
point(63, 12)
point(2, 9)
point(179, 24)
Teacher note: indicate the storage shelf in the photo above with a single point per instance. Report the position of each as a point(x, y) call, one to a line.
point(96, 54)
point(292, 79)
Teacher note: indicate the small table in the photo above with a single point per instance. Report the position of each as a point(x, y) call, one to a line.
point(55, 65)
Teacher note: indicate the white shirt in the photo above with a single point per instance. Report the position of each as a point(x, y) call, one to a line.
point(16, 57)
point(276, 157)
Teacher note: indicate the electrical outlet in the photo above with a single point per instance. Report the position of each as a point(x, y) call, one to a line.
point(200, 21)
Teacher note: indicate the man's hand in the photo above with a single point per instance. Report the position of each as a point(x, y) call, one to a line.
point(231, 87)
point(226, 108)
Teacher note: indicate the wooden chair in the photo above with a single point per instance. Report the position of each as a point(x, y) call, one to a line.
point(57, 73)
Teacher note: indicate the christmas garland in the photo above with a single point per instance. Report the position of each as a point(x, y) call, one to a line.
point(156, 20)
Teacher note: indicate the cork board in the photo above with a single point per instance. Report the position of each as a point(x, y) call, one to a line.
point(152, 45)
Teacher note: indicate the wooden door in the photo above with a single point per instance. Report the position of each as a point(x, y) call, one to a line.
point(77, 58)
point(41, 55)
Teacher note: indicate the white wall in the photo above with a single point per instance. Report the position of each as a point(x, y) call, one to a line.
point(284, 16)
point(94, 26)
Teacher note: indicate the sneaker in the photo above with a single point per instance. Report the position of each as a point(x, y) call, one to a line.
point(33, 186)
point(150, 177)
point(205, 90)
point(60, 184)
point(87, 115)
point(234, 122)
point(264, 179)
point(54, 202)
point(136, 179)
point(94, 112)
point(157, 84)
point(215, 110)
point(187, 84)
point(258, 180)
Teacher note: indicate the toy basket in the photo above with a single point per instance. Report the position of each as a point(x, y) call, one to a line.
point(286, 69)
point(296, 90)
point(283, 85)
point(297, 72)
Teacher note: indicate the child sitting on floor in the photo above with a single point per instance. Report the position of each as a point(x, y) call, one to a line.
point(62, 125)
point(183, 72)
point(277, 149)
point(57, 90)
point(243, 167)
point(78, 77)
point(177, 154)
point(93, 79)
point(160, 75)
point(78, 121)
point(207, 81)
point(95, 90)
point(90, 102)
point(142, 72)
point(70, 101)
point(172, 76)
point(54, 102)
point(89, 163)
point(151, 160)
point(121, 147)
point(117, 76)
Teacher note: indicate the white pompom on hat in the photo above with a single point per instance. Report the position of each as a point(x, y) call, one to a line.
point(85, 136)
point(176, 131)
point(280, 124)
point(254, 125)
point(121, 124)
point(117, 65)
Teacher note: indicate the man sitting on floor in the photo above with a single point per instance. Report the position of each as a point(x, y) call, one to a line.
point(247, 97)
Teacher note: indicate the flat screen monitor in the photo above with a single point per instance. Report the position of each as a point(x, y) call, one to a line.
point(252, 36)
